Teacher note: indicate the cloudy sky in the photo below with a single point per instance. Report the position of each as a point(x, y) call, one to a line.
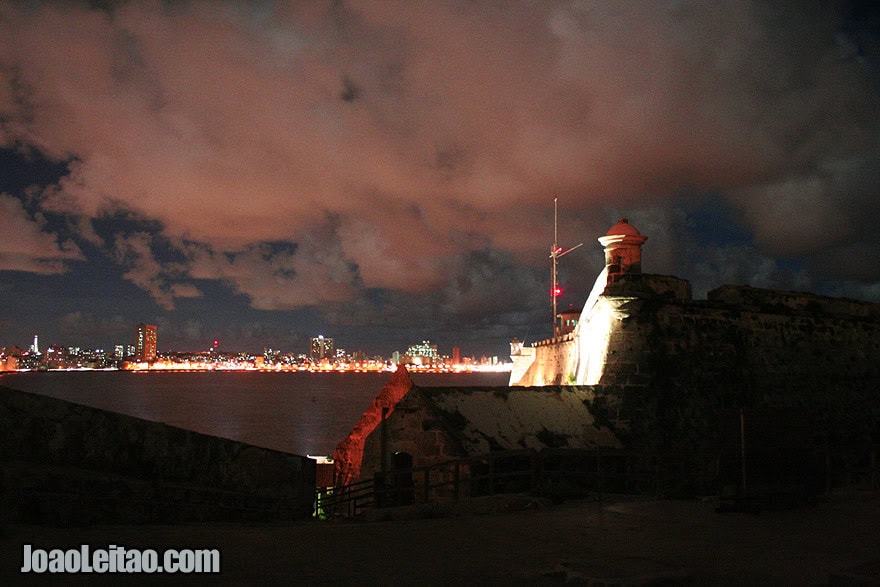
point(384, 172)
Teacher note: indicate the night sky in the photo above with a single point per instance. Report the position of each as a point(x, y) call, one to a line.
point(384, 172)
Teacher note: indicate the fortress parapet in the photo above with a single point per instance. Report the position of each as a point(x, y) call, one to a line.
point(646, 285)
point(753, 298)
point(637, 327)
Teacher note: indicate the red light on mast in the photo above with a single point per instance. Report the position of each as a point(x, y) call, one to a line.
point(557, 291)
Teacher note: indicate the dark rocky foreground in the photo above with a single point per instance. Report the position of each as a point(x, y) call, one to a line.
point(64, 464)
point(620, 541)
point(73, 475)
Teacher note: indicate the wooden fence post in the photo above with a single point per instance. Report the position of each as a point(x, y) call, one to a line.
point(427, 485)
point(533, 471)
point(491, 474)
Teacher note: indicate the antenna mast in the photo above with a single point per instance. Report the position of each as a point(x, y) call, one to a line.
point(556, 252)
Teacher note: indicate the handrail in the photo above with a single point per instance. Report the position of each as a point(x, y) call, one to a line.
point(550, 471)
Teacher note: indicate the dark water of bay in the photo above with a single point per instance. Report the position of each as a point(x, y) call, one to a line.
point(299, 412)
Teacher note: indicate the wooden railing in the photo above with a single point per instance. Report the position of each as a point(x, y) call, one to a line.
point(554, 473)
point(563, 472)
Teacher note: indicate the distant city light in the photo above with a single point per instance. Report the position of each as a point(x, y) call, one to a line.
point(323, 357)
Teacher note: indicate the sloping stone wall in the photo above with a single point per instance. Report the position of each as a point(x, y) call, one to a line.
point(64, 463)
point(438, 424)
point(348, 455)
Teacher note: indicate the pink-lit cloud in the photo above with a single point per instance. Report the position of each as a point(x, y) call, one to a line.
point(26, 246)
point(390, 141)
point(135, 254)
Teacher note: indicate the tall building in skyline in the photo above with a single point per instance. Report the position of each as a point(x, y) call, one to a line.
point(422, 354)
point(35, 348)
point(145, 343)
point(321, 348)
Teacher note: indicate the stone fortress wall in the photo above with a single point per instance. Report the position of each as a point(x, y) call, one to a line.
point(670, 379)
point(754, 338)
point(675, 371)
point(645, 329)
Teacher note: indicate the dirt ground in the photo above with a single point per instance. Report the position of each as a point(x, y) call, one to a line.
point(616, 541)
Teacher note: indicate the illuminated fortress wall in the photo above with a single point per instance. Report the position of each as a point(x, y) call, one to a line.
point(649, 368)
point(674, 371)
point(647, 330)
point(652, 333)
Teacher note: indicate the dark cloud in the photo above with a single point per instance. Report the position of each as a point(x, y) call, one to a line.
point(415, 148)
point(82, 328)
point(25, 245)
point(135, 253)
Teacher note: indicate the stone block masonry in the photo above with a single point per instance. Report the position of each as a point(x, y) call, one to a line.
point(642, 329)
point(782, 345)
point(67, 464)
point(676, 366)
point(649, 369)
point(748, 337)
point(437, 424)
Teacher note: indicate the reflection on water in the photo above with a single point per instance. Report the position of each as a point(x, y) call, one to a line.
point(301, 413)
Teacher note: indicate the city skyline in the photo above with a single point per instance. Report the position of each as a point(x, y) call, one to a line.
point(144, 348)
point(258, 173)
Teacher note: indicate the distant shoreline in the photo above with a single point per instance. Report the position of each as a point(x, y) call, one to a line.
point(501, 368)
